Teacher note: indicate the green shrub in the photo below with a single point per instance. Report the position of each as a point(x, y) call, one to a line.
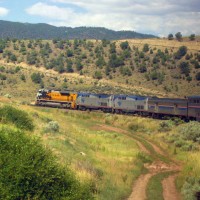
point(187, 146)
point(144, 157)
point(145, 48)
point(28, 171)
point(185, 68)
point(177, 121)
point(52, 127)
point(190, 131)
point(22, 77)
point(133, 127)
point(166, 126)
point(2, 69)
point(182, 51)
point(190, 187)
point(187, 137)
point(17, 69)
point(98, 75)
point(36, 78)
point(124, 45)
point(171, 139)
point(179, 142)
point(18, 117)
point(136, 127)
point(3, 77)
point(198, 76)
point(190, 146)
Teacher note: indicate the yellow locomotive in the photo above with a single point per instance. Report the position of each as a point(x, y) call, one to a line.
point(56, 98)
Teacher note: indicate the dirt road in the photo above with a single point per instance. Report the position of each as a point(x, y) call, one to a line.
point(158, 166)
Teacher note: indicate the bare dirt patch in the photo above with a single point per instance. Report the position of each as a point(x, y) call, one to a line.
point(5, 100)
point(157, 149)
point(139, 187)
point(169, 188)
point(159, 166)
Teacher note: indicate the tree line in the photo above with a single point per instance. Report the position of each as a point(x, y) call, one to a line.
point(178, 36)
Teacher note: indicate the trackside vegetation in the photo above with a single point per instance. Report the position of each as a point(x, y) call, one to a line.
point(90, 157)
point(30, 171)
point(18, 117)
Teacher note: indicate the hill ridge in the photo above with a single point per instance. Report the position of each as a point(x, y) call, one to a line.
point(46, 31)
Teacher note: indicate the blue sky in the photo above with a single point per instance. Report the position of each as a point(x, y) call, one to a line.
point(159, 17)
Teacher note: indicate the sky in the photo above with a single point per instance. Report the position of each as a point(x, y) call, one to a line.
point(158, 17)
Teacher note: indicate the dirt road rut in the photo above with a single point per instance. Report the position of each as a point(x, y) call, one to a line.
point(158, 166)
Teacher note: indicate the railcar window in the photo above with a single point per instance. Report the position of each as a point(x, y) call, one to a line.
point(122, 98)
point(140, 107)
point(85, 95)
point(197, 101)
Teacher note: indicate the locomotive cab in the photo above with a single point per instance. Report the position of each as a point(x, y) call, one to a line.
point(42, 93)
point(56, 98)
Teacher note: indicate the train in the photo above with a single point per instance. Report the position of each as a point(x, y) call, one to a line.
point(187, 108)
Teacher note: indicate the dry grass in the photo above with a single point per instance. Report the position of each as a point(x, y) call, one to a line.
point(193, 46)
point(106, 158)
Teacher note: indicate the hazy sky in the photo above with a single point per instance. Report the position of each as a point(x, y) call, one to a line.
point(159, 17)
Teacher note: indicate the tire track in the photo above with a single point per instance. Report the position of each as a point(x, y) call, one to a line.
point(139, 188)
point(158, 166)
point(169, 190)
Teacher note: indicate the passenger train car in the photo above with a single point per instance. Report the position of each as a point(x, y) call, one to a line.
point(129, 104)
point(194, 107)
point(161, 107)
point(188, 108)
point(94, 102)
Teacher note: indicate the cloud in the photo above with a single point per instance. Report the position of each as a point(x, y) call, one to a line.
point(159, 17)
point(3, 11)
point(143, 7)
point(49, 11)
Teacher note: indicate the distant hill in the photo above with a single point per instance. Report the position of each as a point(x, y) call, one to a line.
point(46, 31)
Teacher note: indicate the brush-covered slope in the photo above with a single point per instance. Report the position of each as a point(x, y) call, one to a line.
point(148, 67)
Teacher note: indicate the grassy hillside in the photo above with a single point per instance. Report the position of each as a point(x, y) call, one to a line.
point(28, 169)
point(104, 162)
point(91, 145)
point(19, 86)
point(151, 67)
